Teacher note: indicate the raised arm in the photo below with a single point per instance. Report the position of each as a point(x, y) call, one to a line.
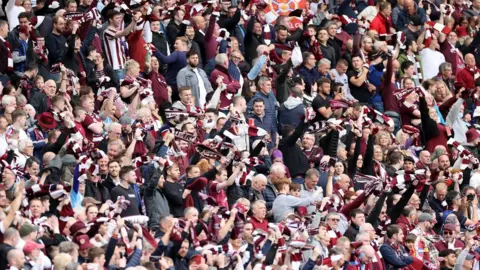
point(211, 27)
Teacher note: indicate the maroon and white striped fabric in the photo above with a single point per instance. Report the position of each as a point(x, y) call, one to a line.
point(114, 49)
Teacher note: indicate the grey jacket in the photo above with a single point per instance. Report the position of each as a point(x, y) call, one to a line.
point(285, 204)
point(155, 201)
point(187, 77)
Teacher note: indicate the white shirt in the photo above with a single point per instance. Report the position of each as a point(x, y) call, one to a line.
point(201, 88)
point(12, 13)
point(431, 61)
point(3, 144)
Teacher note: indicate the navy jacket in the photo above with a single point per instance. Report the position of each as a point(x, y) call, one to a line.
point(392, 259)
point(310, 76)
point(268, 125)
point(270, 106)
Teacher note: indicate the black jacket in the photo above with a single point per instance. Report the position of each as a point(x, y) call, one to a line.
point(56, 48)
point(252, 41)
point(174, 192)
point(172, 32)
point(229, 23)
point(293, 157)
point(70, 58)
point(97, 191)
point(39, 101)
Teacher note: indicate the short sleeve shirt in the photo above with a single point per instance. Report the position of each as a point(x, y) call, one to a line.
point(318, 103)
point(360, 93)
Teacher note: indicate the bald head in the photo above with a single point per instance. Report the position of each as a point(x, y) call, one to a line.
point(425, 157)
point(47, 157)
point(199, 22)
point(16, 258)
point(259, 182)
point(470, 60)
point(343, 182)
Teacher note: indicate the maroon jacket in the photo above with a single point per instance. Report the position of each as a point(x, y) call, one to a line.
point(442, 245)
point(233, 86)
point(403, 222)
point(465, 77)
point(387, 88)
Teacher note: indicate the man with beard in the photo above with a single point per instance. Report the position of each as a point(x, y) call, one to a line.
point(174, 191)
point(113, 178)
point(393, 251)
point(126, 189)
point(320, 103)
point(197, 81)
point(423, 230)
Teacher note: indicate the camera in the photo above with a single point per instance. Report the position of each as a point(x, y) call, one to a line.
point(470, 197)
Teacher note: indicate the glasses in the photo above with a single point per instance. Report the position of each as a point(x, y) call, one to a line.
point(383, 212)
point(334, 219)
point(448, 233)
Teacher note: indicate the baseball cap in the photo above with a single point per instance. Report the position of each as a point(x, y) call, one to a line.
point(77, 226)
point(31, 246)
point(27, 229)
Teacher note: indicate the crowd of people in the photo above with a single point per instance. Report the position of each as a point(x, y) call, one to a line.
point(218, 134)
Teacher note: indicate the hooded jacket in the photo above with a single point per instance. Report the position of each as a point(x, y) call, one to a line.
point(291, 111)
point(156, 203)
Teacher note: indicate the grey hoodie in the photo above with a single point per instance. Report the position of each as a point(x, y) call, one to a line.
point(292, 102)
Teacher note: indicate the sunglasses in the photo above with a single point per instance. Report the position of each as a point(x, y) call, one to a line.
point(448, 233)
point(383, 212)
point(334, 219)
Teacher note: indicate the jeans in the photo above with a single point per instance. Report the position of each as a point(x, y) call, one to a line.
point(378, 105)
point(396, 120)
point(120, 73)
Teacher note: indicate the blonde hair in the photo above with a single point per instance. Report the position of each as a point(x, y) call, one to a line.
point(379, 136)
point(143, 112)
point(61, 260)
point(131, 64)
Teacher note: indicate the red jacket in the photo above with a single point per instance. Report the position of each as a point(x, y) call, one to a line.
point(466, 78)
point(381, 24)
point(136, 48)
point(233, 86)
